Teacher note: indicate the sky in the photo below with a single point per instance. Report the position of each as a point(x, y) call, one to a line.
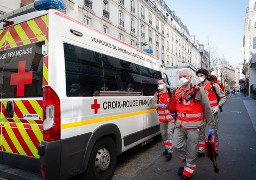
point(219, 23)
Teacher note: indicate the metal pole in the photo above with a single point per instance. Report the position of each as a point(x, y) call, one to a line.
point(201, 60)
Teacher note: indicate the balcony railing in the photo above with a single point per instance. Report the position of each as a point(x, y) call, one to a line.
point(133, 30)
point(88, 3)
point(105, 14)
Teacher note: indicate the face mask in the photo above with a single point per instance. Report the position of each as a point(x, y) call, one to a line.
point(201, 79)
point(182, 81)
point(161, 86)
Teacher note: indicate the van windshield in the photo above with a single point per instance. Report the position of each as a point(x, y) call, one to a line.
point(21, 71)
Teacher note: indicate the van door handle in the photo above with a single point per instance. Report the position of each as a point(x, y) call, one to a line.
point(10, 109)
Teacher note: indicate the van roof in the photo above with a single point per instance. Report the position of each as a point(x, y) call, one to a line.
point(25, 17)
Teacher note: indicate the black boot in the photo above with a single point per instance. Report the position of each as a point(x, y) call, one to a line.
point(168, 157)
point(165, 152)
point(183, 177)
point(200, 154)
point(180, 170)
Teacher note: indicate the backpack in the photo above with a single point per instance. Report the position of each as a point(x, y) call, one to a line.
point(210, 151)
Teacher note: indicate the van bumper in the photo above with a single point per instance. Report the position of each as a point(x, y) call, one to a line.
point(15, 173)
point(62, 159)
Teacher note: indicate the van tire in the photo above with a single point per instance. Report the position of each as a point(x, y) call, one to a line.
point(102, 162)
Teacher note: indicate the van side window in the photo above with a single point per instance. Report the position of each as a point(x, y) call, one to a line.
point(84, 68)
point(89, 72)
point(149, 80)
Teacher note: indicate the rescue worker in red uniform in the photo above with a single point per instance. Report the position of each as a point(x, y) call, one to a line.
point(216, 98)
point(191, 106)
point(161, 101)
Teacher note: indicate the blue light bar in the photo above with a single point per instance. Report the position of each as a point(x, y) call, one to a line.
point(49, 4)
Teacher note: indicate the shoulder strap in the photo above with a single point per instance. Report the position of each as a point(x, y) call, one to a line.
point(157, 97)
point(169, 92)
point(214, 90)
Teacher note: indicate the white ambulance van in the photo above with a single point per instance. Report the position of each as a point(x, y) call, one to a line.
point(72, 98)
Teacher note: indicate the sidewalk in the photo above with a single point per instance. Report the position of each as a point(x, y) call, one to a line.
point(250, 105)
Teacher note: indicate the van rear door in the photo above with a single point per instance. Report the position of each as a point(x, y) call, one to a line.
point(21, 78)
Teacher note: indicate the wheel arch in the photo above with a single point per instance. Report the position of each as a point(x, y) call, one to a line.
point(105, 130)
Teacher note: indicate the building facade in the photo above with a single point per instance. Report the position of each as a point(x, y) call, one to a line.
point(149, 25)
point(249, 47)
point(7, 7)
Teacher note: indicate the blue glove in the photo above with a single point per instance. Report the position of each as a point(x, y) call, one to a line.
point(173, 115)
point(167, 86)
point(162, 106)
point(210, 131)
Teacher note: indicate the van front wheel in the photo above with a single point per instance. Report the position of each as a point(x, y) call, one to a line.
point(102, 160)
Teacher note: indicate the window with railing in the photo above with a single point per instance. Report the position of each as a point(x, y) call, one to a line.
point(121, 37)
point(132, 26)
point(157, 24)
point(157, 40)
point(150, 18)
point(142, 12)
point(121, 2)
point(105, 29)
point(105, 5)
point(121, 21)
point(105, 14)
point(132, 6)
point(142, 31)
point(105, 9)
point(88, 3)
point(150, 35)
point(132, 42)
point(87, 20)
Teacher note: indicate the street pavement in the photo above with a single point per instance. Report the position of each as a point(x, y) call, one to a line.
point(237, 158)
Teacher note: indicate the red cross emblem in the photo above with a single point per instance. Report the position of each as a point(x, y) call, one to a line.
point(95, 106)
point(21, 78)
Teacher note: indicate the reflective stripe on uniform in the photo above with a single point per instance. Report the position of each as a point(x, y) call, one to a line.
point(201, 146)
point(186, 124)
point(160, 112)
point(189, 169)
point(213, 101)
point(168, 144)
point(190, 115)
